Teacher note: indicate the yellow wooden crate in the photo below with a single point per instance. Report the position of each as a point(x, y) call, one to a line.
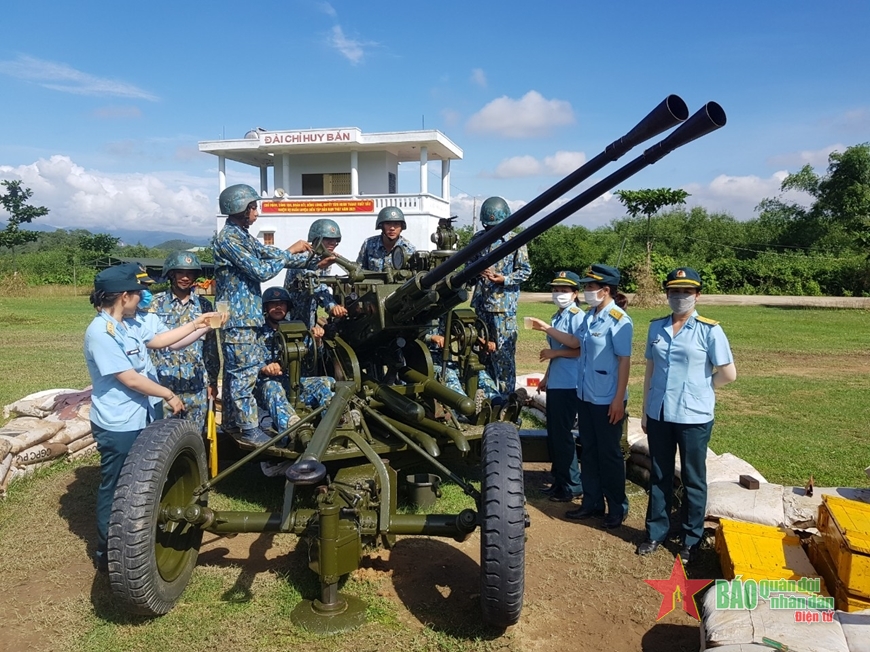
point(845, 527)
point(761, 552)
point(824, 564)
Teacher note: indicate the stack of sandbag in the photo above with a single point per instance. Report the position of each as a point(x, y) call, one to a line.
point(537, 401)
point(51, 424)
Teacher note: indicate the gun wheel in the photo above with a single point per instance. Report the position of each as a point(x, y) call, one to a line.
point(503, 523)
point(151, 559)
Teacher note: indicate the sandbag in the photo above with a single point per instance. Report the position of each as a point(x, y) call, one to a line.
point(744, 626)
point(800, 511)
point(25, 432)
point(728, 467)
point(40, 404)
point(5, 466)
point(856, 629)
point(540, 416)
point(80, 443)
point(18, 472)
point(641, 460)
point(82, 452)
point(71, 431)
point(39, 453)
point(5, 448)
point(730, 500)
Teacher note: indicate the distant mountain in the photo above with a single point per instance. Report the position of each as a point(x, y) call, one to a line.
point(177, 245)
point(162, 239)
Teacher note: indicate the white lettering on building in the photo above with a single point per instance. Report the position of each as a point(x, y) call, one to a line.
point(303, 137)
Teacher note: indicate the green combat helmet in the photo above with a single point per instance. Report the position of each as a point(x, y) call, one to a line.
point(181, 260)
point(390, 214)
point(324, 228)
point(235, 199)
point(493, 211)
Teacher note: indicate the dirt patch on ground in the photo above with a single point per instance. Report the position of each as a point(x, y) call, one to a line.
point(584, 585)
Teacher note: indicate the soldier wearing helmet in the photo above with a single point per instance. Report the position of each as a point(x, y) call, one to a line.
point(242, 263)
point(271, 391)
point(496, 293)
point(191, 372)
point(305, 289)
point(375, 252)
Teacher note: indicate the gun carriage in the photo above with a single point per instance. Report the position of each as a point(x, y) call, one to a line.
point(387, 405)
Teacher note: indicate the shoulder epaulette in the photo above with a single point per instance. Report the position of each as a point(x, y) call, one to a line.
point(659, 318)
point(616, 314)
point(706, 320)
point(110, 328)
point(573, 310)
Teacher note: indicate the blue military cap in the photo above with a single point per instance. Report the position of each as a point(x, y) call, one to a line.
point(683, 277)
point(602, 274)
point(568, 279)
point(129, 277)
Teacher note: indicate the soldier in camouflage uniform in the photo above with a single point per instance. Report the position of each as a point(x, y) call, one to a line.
point(303, 284)
point(435, 339)
point(375, 253)
point(496, 294)
point(271, 392)
point(191, 372)
point(242, 263)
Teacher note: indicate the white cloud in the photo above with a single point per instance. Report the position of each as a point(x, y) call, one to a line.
point(739, 195)
point(478, 77)
point(328, 9)
point(559, 164)
point(529, 117)
point(66, 79)
point(518, 166)
point(351, 49)
point(815, 158)
point(79, 198)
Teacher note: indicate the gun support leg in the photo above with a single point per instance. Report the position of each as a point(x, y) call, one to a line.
point(333, 612)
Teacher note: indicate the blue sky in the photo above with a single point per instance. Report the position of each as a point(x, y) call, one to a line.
point(103, 103)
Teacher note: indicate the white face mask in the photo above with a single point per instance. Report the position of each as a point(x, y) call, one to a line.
point(563, 299)
point(591, 297)
point(681, 303)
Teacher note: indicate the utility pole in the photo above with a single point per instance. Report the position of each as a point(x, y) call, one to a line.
point(474, 217)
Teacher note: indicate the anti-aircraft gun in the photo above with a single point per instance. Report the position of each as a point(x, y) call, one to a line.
point(387, 405)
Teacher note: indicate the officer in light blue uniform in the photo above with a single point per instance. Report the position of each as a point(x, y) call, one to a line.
point(560, 383)
point(242, 263)
point(271, 391)
point(602, 386)
point(376, 252)
point(687, 356)
point(116, 354)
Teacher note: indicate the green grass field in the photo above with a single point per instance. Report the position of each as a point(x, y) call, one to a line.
point(800, 405)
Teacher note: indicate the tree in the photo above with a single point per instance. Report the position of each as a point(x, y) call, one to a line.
point(95, 246)
point(838, 218)
point(14, 202)
point(649, 201)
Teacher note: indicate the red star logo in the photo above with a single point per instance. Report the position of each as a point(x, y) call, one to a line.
point(678, 589)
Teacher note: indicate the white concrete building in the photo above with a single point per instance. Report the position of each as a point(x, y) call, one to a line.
point(342, 174)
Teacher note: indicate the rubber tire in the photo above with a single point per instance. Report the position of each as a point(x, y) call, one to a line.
point(149, 567)
point(503, 526)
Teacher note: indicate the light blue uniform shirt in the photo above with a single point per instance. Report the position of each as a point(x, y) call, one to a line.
point(682, 379)
point(144, 326)
point(562, 372)
point(110, 348)
point(605, 336)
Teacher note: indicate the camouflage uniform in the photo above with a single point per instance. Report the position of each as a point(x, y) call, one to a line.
point(303, 303)
point(242, 263)
point(271, 393)
point(189, 371)
point(374, 257)
point(451, 379)
point(496, 305)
